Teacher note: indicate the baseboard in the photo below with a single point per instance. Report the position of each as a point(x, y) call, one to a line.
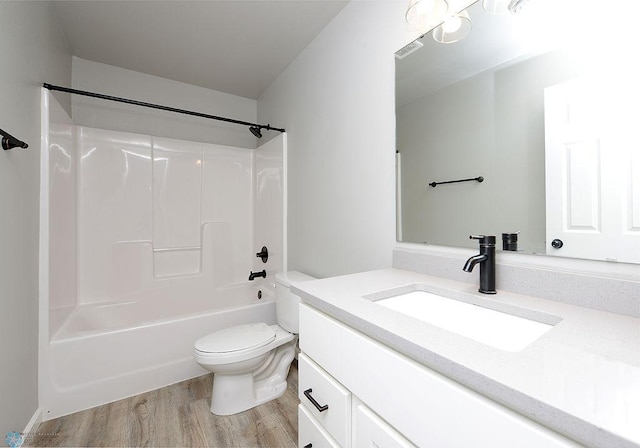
point(32, 427)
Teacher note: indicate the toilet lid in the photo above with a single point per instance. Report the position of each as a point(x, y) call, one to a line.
point(233, 339)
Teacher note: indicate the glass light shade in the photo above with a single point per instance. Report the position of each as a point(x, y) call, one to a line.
point(496, 6)
point(423, 13)
point(453, 29)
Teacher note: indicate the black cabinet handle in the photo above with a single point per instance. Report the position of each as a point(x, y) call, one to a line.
point(309, 445)
point(307, 393)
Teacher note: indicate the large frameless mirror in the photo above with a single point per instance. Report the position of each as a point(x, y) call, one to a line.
point(533, 112)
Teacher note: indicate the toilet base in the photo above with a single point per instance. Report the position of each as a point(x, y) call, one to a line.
point(236, 393)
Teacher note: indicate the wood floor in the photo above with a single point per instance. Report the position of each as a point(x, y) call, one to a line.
point(177, 416)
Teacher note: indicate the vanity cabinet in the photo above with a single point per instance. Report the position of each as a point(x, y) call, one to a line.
point(378, 397)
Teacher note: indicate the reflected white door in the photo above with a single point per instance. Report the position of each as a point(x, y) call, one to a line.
point(592, 172)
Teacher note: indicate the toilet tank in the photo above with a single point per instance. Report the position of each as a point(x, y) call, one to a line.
point(286, 302)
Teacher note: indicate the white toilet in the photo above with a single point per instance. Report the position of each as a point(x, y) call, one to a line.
point(250, 363)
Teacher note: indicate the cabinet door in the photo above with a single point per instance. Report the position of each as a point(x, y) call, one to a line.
point(370, 431)
point(310, 433)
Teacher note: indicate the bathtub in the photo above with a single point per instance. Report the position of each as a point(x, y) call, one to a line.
point(108, 351)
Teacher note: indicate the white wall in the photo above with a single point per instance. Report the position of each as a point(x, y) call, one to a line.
point(109, 80)
point(336, 101)
point(33, 51)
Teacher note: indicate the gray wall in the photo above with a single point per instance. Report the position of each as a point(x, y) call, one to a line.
point(116, 81)
point(33, 51)
point(336, 101)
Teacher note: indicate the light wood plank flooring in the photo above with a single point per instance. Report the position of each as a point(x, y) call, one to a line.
point(177, 416)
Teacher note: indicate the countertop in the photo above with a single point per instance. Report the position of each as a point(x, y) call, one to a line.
point(581, 378)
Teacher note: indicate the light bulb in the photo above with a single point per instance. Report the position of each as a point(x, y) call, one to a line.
point(496, 6)
point(426, 13)
point(453, 29)
point(452, 24)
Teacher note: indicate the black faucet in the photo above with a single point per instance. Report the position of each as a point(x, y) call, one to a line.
point(253, 275)
point(487, 260)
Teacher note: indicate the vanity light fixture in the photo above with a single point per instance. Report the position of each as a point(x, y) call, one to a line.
point(454, 28)
point(421, 13)
point(496, 6)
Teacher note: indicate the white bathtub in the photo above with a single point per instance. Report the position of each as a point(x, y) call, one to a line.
point(105, 352)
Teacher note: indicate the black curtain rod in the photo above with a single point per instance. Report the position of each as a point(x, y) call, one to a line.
point(254, 127)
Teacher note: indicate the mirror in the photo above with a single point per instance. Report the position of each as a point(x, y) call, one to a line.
point(500, 105)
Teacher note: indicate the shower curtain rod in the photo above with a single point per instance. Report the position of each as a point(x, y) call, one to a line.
point(10, 142)
point(253, 127)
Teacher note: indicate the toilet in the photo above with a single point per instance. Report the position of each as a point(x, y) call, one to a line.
point(250, 363)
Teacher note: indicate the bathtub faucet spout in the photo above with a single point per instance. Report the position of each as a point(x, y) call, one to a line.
point(253, 275)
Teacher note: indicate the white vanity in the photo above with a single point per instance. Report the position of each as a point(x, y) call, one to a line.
point(374, 376)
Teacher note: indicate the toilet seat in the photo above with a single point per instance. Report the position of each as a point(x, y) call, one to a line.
point(240, 338)
point(263, 339)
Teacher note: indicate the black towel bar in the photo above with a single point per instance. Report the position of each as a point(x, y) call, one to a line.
point(477, 179)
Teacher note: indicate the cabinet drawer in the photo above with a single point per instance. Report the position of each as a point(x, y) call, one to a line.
point(325, 391)
point(310, 433)
point(370, 430)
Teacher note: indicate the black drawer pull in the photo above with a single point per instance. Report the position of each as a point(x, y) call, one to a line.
point(308, 445)
point(307, 393)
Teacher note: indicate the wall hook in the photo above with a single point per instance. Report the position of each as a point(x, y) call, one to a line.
point(10, 142)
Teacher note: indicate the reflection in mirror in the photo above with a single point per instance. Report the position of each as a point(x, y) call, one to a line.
point(492, 104)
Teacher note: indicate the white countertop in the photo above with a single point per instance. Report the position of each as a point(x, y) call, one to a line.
point(581, 378)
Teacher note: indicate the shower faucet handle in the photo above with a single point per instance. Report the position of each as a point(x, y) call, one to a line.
point(263, 254)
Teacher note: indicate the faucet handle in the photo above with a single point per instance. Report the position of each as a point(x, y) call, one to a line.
point(484, 239)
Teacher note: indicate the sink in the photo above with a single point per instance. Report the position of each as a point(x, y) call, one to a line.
point(504, 330)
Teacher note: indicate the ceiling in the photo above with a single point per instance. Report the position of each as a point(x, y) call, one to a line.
point(238, 47)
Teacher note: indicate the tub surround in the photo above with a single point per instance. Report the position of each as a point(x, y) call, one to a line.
point(581, 378)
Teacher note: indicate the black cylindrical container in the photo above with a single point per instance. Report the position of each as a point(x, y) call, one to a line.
point(510, 241)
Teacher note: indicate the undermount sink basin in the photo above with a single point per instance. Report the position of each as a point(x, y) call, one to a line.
point(499, 329)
